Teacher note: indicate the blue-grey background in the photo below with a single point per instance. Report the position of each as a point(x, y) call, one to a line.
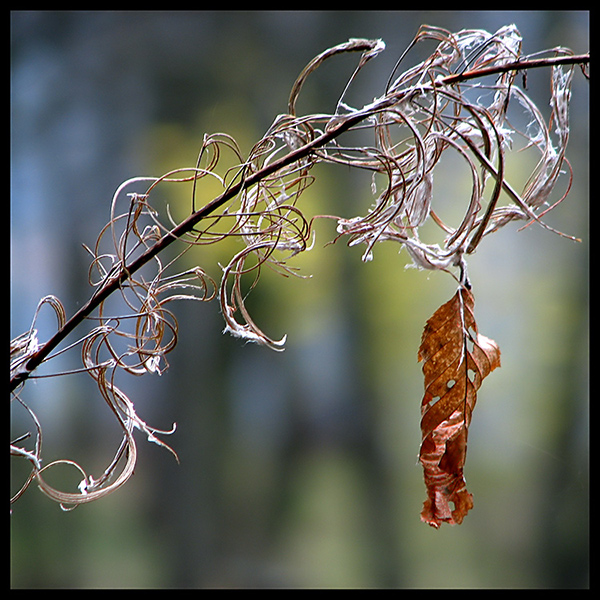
point(298, 469)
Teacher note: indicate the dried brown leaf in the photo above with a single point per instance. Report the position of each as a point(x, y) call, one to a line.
point(456, 359)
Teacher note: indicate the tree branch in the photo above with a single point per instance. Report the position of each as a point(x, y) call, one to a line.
point(518, 65)
point(344, 124)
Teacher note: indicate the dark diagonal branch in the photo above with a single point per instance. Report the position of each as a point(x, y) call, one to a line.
point(113, 284)
point(518, 65)
point(342, 125)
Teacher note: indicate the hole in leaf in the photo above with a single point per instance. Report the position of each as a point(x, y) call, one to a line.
point(433, 400)
point(450, 384)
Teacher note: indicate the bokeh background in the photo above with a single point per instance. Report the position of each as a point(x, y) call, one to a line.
point(298, 469)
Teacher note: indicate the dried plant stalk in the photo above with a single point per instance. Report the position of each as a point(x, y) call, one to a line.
point(424, 112)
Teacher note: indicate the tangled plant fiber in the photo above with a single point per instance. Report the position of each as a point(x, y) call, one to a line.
point(441, 105)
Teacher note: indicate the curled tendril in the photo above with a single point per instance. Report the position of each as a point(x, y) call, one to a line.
point(436, 107)
point(431, 117)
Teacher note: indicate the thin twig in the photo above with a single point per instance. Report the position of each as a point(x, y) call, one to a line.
point(186, 226)
point(518, 65)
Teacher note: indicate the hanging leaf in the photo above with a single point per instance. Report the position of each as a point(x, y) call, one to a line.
point(456, 358)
